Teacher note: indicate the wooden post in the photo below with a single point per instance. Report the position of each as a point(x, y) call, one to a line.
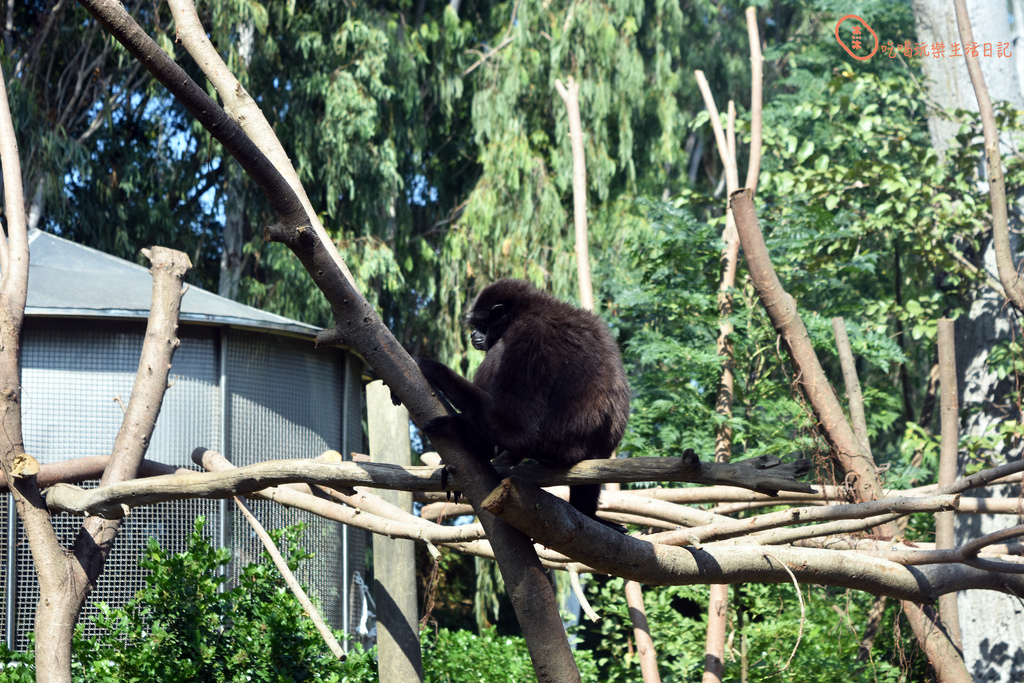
point(394, 560)
point(948, 450)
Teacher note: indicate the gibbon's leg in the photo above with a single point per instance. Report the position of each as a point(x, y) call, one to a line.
point(584, 498)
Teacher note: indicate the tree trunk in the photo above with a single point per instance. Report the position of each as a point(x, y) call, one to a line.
point(991, 624)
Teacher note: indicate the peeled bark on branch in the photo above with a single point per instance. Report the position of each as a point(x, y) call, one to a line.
point(764, 474)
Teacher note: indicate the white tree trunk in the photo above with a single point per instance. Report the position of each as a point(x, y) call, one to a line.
point(992, 624)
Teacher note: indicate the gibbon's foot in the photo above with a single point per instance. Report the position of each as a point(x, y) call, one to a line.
point(614, 526)
point(449, 496)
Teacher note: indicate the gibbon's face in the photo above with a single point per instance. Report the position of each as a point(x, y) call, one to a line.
point(489, 324)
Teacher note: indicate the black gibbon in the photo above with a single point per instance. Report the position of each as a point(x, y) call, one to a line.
point(551, 387)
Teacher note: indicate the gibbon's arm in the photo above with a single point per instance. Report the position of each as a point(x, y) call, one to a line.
point(471, 401)
point(465, 396)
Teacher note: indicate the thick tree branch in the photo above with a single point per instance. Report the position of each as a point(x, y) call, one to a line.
point(564, 530)
point(359, 326)
point(781, 309)
point(20, 468)
point(945, 537)
point(846, 448)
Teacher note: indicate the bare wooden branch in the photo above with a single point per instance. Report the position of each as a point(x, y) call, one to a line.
point(116, 20)
point(774, 520)
point(846, 448)
point(392, 525)
point(561, 528)
point(642, 633)
point(290, 580)
point(13, 245)
point(994, 559)
point(473, 67)
point(945, 537)
point(570, 94)
point(853, 393)
point(714, 641)
point(78, 470)
point(577, 589)
point(19, 467)
point(731, 174)
point(765, 474)
point(782, 311)
point(756, 85)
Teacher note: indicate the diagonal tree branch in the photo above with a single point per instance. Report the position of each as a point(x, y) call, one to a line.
point(846, 448)
point(359, 326)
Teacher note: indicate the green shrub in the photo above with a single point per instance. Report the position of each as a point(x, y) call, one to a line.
point(182, 628)
point(465, 657)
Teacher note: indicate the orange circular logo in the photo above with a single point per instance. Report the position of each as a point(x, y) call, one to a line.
point(848, 50)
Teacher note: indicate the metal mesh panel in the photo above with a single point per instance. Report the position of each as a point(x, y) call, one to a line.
point(5, 502)
point(286, 401)
point(71, 372)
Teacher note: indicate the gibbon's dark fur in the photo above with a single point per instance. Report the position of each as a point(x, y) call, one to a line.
point(551, 387)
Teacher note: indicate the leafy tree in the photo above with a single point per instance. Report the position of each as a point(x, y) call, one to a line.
point(108, 159)
point(863, 221)
point(428, 139)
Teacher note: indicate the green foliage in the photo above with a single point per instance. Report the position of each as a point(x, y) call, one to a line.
point(667, 318)
point(465, 657)
point(675, 622)
point(450, 656)
point(764, 621)
point(433, 144)
point(862, 220)
point(184, 627)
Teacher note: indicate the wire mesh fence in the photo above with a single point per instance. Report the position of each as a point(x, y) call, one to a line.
point(270, 396)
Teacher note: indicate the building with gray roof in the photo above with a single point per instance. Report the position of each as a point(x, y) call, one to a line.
point(244, 382)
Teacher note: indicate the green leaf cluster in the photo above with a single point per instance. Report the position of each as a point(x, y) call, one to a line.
point(455, 656)
point(184, 626)
point(432, 142)
point(668, 319)
point(765, 626)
